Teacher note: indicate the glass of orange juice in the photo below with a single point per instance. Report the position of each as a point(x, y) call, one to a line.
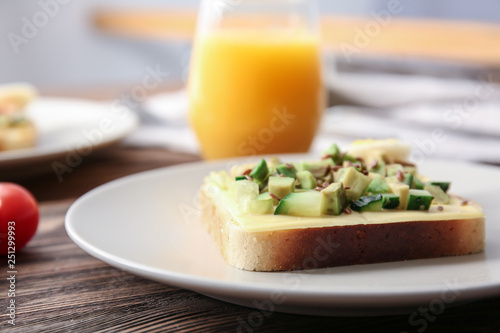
point(255, 83)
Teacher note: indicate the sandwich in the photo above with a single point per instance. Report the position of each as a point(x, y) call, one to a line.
point(16, 130)
point(366, 205)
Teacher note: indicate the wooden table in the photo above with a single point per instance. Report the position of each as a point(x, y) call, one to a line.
point(60, 288)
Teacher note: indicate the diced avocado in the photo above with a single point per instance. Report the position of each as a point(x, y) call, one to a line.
point(392, 180)
point(419, 200)
point(273, 162)
point(300, 204)
point(260, 206)
point(444, 185)
point(260, 173)
point(306, 180)
point(355, 183)
point(401, 190)
point(281, 186)
point(392, 169)
point(266, 195)
point(417, 184)
point(390, 201)
point(328, 161)
point(370, 203)
point(410, 169)
point(349, 158)
point(358, 165)
point(219, 179)
point(317, 168)
point(346, 164)
point(407, 179)
point(440, 197)
point(287, 170)
point(240, 178)
point(333, 199)
point(244, 191)
point(379, 168)
point(373, 175)
point(378, 185)
point(337, 175)
point(328, 178)
point(334, 153)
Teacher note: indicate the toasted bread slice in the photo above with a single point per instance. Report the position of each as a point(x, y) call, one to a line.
point(298, 248)
point(366, 205)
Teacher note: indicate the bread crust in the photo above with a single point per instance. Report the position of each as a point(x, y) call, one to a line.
point(309, 248)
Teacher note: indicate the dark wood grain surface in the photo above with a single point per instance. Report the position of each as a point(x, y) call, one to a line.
point(60, 288)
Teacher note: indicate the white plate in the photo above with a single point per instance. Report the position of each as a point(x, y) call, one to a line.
point(147, 224)
point(69, 126)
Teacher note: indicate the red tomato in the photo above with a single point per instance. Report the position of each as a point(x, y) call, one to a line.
point(18, 217)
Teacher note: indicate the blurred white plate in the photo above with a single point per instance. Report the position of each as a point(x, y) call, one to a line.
point(68, 128)
point(148, 224)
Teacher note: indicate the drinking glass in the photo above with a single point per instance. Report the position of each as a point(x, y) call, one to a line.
point(255, 82)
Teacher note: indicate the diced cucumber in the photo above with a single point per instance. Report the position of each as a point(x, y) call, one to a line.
point(402, 191)
point(440, 197)
point(300, 204)
point(444, 185)
point(378, 185)
point(370, 203)
point(306, 180)
point(417, 184)
point(390, 201)
point(287, 170)
point(408, 179)
point(334, 153)
point(266, 195)
point(355, 183)
point(333, 199)
point(244, 191)
point(317, 168)
point(379, 168)
point(419, 200)
point(260, 206)
point(240, 178)
point(260, 173)
point(392, 169)
point(410, 169)
point(281, 186)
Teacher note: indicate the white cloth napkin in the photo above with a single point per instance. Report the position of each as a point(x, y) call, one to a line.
point(164, 124)
point(440, 118)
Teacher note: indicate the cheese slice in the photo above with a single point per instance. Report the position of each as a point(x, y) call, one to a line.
point(258, 223)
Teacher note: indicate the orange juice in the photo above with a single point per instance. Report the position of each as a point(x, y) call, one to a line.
point(255, 92)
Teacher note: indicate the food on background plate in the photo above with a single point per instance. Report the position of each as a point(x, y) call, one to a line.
point(16, 130)
point(366, 205)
